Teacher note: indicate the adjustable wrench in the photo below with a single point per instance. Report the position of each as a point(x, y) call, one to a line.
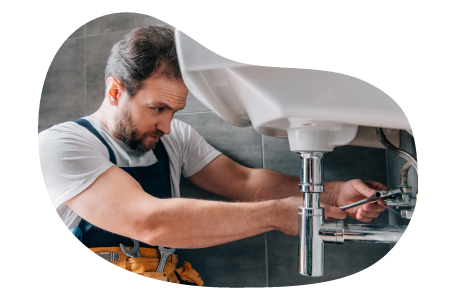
point(379, 195)
point(164, 254)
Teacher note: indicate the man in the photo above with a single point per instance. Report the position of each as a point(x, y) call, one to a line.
point(115, 174)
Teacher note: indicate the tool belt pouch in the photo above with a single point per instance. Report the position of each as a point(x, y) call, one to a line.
point(147, 264)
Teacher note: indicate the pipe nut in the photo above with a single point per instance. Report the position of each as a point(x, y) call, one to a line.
point(332, 232)
point(311, 188)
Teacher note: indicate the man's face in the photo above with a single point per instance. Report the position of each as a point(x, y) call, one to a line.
point(143, 119)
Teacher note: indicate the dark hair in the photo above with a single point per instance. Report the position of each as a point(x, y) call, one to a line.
point(143, 52)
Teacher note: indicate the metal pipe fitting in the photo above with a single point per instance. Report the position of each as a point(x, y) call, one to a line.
point(311, 216)
point(312, 172)
point(332, 232)
point(404, 173)
point(373, 234)
point(311, 258)
point(404, 154)
point(335, 232)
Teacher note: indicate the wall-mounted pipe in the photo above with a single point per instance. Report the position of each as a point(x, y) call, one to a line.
point(404, 173)
point(404, 154)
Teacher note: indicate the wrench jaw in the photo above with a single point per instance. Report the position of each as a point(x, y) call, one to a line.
point(134, 252)
point(164, 254)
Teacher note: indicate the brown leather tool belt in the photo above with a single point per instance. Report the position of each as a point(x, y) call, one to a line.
point(147, 264)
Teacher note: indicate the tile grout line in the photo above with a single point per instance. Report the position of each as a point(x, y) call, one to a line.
point(265, 234)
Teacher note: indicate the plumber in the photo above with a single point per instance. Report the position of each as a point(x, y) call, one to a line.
point(115, 174)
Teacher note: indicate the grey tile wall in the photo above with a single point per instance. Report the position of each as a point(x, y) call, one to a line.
point(97, 54)
point(80, 32)
point(62, 97)
point(44, 127)
point(243, 145)
point(74, 87)
point(120, 21)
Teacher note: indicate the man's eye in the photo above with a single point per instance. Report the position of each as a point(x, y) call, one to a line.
point(159, 109)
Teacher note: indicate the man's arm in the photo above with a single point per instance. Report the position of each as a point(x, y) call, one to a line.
point(117, 203)
point(225, 177)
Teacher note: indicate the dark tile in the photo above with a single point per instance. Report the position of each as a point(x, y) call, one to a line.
point(279, 157)
point(80, 32)
point(236, 264)
point(120, 21)
point(63, 95)
point(340, 260)
point(243, 145)
point(98, 50)
point(193, 105)
point(351, 162)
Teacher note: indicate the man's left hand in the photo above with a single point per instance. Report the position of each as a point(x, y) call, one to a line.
point(355, 190)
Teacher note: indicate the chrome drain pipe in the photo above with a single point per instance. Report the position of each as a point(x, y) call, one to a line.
point(335, 232)
point(311, 216)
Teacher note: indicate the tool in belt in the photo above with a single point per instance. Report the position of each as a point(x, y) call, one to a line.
point(140, 258)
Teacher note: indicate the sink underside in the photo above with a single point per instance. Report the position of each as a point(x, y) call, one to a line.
point(318, 99)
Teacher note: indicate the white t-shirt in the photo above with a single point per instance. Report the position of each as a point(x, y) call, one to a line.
point(72, 158)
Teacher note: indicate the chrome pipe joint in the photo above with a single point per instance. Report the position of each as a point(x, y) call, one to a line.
point(311, 216)
point(335, 232)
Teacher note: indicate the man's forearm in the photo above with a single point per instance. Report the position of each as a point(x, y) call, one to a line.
point(264, 184)
point(191, 223)
point(117, 203)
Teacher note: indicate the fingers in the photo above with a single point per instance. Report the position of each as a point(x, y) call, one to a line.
point(381, 203)
point(367, 216)
point(362, 187)
point(370, 211)
point(373, 207)
point(376, 185)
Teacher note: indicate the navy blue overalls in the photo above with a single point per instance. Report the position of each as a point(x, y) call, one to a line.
point(154, 179)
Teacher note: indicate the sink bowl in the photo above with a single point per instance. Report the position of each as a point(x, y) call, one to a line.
point(315, 86)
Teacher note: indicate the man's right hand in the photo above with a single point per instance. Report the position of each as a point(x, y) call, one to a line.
point(288, 221)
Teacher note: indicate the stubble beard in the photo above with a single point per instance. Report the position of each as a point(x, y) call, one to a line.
point(126, 131)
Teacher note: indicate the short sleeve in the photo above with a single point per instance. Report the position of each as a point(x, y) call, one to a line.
point(71, 159)
point(196, 152)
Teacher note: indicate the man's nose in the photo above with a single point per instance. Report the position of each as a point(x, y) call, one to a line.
point(164, 125)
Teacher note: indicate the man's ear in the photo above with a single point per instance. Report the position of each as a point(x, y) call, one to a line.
point(114, 89)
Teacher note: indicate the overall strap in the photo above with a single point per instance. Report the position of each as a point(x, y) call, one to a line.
point(160, 151)
point(88, 126)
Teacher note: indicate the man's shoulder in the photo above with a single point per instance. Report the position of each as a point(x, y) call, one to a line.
point(64, 133)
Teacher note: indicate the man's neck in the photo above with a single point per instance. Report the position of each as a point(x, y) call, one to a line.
point(106, 115)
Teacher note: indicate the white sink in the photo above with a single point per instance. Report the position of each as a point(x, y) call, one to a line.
point(317, 85)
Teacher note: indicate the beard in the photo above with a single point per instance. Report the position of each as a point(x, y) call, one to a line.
point(127, 132)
